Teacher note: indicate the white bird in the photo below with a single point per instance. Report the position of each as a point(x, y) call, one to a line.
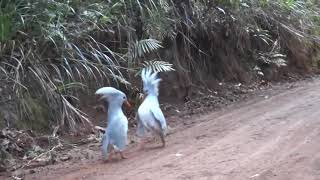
point(115, 136)
point(150, 117)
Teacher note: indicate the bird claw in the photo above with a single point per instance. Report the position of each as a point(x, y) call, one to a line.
point(123, 156)
point(109, 158)
point(106, 160)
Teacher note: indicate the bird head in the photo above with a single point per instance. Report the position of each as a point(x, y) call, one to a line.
point(112, 95)
point(150, 82)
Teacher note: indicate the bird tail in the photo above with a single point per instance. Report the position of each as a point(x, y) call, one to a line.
point(105, 146)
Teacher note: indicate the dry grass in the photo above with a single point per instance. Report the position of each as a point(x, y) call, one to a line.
point(51, 52)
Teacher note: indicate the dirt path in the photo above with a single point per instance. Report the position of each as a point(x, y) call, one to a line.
point(274, 138)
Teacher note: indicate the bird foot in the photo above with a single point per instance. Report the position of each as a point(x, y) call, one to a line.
point(162, 137)
point(109, 158)
point(106, 160)
point(123, 156)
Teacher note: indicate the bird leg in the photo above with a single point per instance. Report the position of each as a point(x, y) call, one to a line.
point(162, 139)
point(161, 134)
point(110, 155)
point(122, 155)
point(111, 151)
point(109, 158)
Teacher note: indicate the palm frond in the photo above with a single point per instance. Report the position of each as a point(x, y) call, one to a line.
point(155, 66)
point(144, 46)
point(275, 58)
point(158, 66)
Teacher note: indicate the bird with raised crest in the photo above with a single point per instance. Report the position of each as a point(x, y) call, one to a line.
point(150, 117)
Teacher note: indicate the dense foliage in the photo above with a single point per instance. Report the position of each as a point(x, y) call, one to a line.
point(52, 51)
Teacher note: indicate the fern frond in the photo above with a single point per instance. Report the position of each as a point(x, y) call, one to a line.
point(158, 66)
point(145, 46)
point(275, 58)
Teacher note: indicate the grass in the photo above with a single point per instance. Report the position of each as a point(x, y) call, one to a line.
point(51, 52)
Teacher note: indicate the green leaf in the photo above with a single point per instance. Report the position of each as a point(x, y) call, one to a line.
point(5, 27)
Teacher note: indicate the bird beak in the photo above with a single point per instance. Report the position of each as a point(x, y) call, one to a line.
point(141, 96)
point(127, 104)
point(99, 97)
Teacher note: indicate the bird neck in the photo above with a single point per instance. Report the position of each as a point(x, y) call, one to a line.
point(152, 97)
point(114, 108)
point(153, 92)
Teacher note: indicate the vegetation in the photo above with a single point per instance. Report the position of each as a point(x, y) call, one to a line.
point(54, 51)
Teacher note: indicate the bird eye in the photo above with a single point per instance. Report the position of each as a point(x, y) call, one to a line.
point(124, 97)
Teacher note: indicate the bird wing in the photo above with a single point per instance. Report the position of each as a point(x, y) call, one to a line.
point(159, 117)
point(141, 130)
point(117, 132)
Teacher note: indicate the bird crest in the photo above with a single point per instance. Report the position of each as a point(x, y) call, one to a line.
point(109, 91)
point(111, 95)
point(150, 81)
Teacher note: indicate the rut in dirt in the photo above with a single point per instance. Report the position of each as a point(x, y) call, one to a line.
point(272, 138)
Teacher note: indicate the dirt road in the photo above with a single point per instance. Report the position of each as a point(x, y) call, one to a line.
point(274, 138)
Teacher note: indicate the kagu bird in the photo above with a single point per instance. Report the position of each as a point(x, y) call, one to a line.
point(115, 136)
point(150, 116)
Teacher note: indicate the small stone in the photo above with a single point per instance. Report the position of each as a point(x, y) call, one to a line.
point(2, 168)
point(18, 174)
point(65, 158)
point(32, 171)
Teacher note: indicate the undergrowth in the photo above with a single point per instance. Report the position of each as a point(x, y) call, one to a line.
point(54, 51)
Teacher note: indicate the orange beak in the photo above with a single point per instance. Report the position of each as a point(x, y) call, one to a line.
point(101, 98)
point(141, 96)
point(127, 104)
